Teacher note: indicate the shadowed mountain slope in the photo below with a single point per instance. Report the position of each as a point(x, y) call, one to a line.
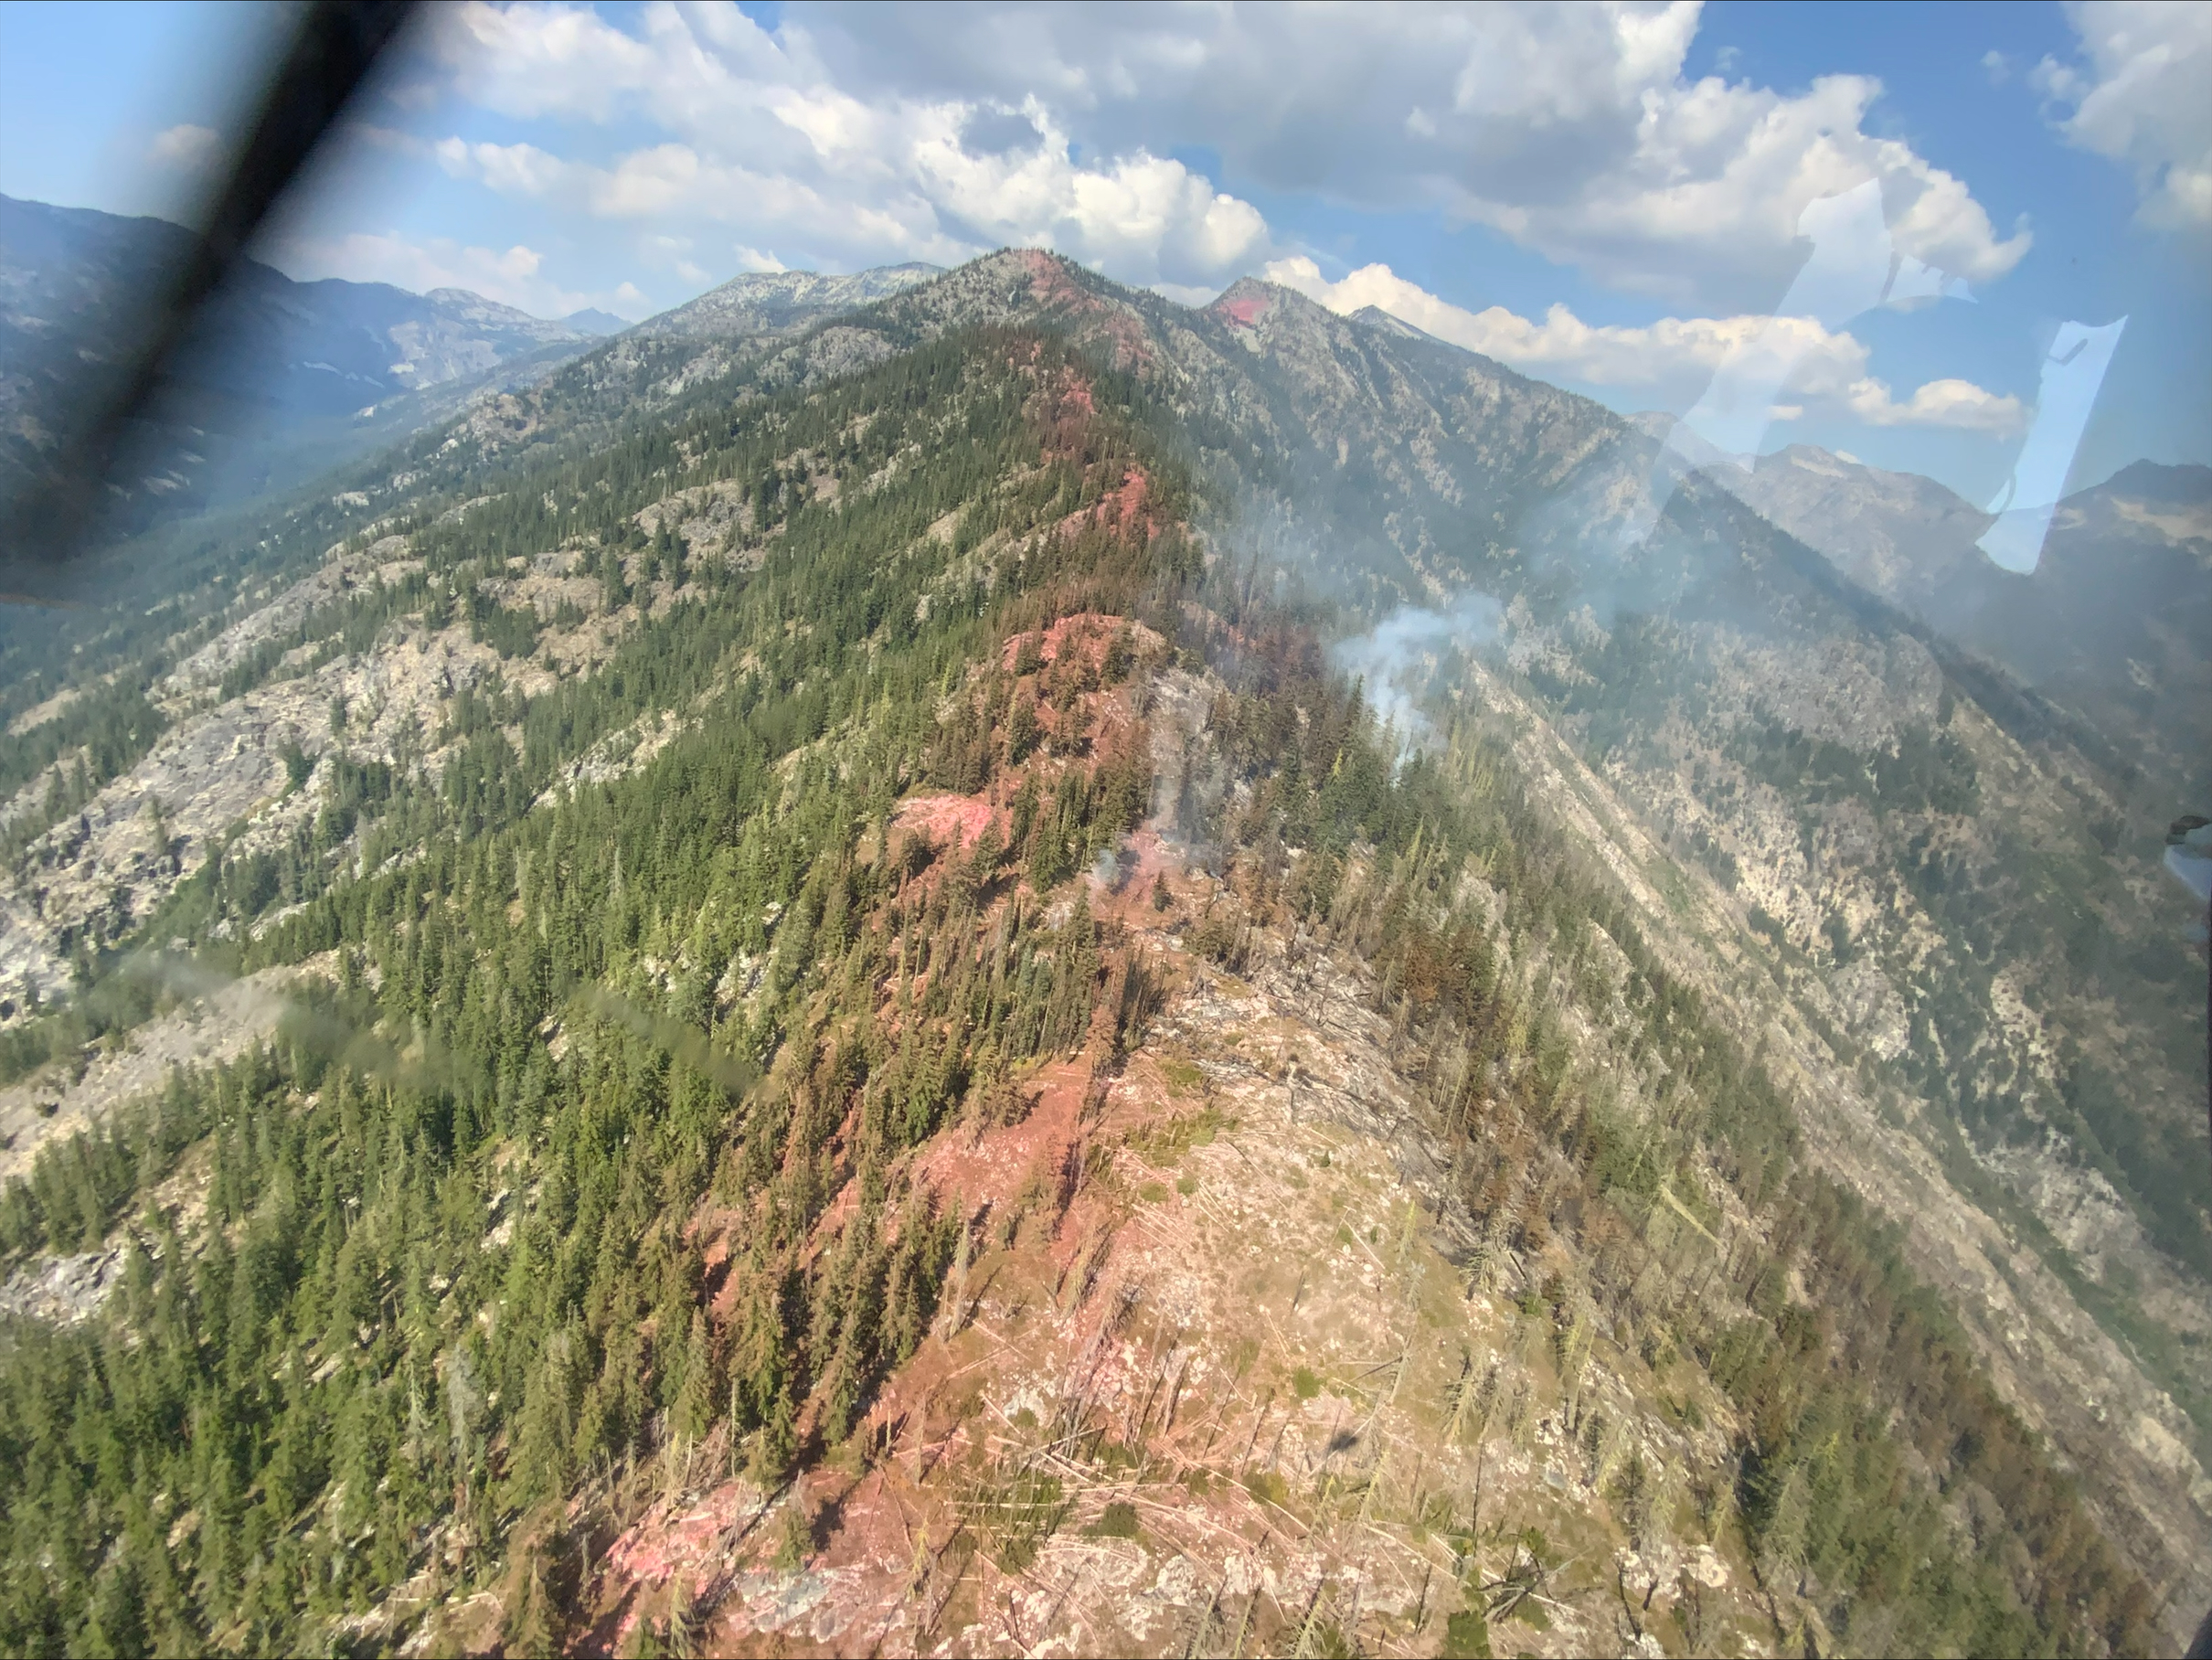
point(273, 352)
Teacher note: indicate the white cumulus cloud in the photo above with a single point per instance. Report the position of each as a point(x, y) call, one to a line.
point(934, 133)
point(1823, 370)
point(757, 135)
point(2144, 98)
point(673, 253)
point(1571, 129)
point(1936, 403)
point(843, 137)
point(184, 145)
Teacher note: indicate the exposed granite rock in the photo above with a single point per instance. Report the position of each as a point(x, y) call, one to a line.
point(216, 1022)
point(64, 1289)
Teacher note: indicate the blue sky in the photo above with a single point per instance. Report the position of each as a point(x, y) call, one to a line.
point(1605, 196)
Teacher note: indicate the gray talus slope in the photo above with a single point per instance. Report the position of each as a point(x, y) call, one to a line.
point(765, 302)
point(2082, 1385)
point(1956, 882)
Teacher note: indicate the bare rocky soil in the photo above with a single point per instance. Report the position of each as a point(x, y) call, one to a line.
point(1230, 1391)
point(63, 1288)
point(213, 1022)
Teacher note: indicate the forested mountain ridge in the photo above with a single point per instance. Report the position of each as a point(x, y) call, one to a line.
point(787, 863)
point(1953, 877)
point(1948, 879)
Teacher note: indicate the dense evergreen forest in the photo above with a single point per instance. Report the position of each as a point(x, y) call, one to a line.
point(404, 1282)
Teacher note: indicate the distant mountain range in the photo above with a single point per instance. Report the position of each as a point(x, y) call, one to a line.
point(303, 376)
point(2111, 624)
point(277, 352)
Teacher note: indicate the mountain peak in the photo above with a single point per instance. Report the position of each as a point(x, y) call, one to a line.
point(775, 301)
point(1249, 299)
point(290, 353)
point(2188, 483)
point(592, 321)
point(1374, 316)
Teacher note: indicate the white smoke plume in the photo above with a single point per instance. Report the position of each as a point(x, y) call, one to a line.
point(1400, 658)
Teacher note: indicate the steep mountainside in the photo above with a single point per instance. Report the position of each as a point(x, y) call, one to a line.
point(778, 302)
point(821, 1025)
point(2112, 625)
point(1949, 874)
point(276, 350)
point(1895, 534)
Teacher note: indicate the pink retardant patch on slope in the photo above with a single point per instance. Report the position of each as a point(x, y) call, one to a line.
point(1122, 507)
point(1094, 631)
point(668, 1541)
point(953, 821)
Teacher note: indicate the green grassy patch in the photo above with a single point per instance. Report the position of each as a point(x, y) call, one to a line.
point(1117, 1521)
point(1166, 1140)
